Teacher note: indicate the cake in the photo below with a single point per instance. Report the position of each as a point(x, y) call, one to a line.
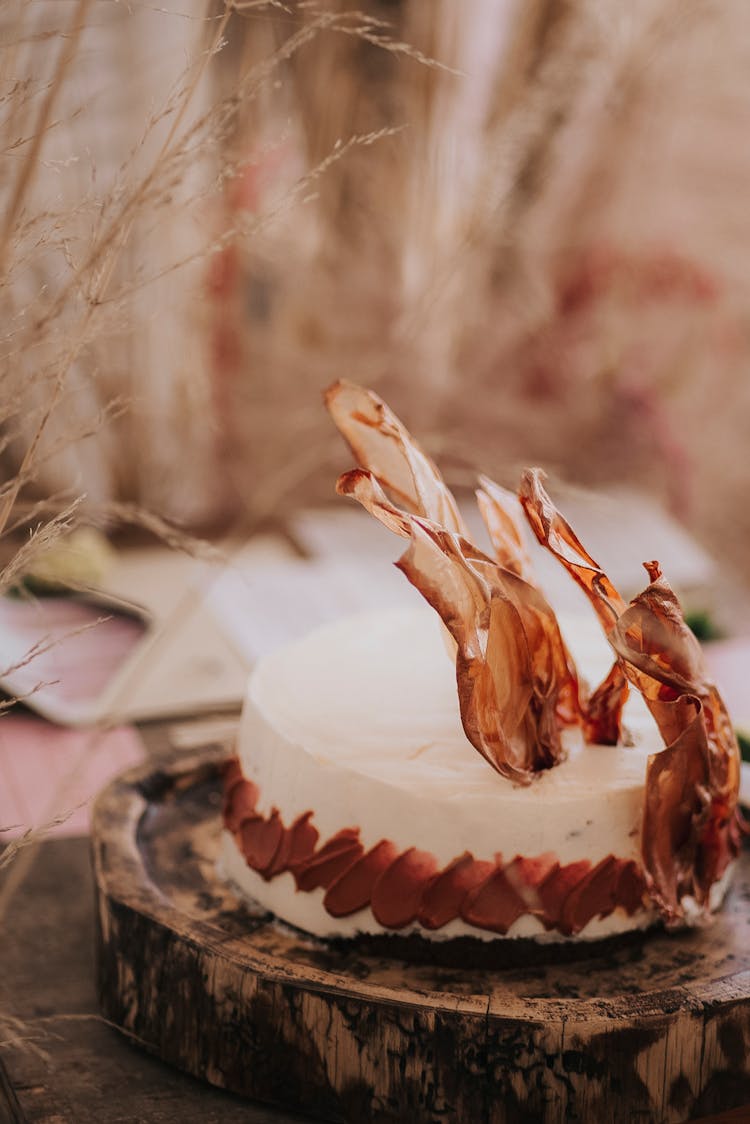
point(443, 773)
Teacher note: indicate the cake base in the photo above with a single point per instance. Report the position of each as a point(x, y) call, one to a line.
point(522, 952)
point(659, 1026)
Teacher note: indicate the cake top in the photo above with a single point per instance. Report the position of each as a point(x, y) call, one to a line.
point(518, 686)
point(375, 694)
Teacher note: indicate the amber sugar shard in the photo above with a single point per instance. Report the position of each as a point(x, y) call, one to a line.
point(690, 830)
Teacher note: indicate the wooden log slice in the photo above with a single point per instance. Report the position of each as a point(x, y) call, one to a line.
point(654, 1031)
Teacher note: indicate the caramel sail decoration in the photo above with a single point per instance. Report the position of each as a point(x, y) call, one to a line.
point(556, 692)
point(690, 824)
point(493, 665)
point(602, 713)
point(516, 681)
point(500, 511)
point(690, 831)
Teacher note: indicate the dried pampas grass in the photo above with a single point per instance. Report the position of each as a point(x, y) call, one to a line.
point(115, 228)
point(95, 183)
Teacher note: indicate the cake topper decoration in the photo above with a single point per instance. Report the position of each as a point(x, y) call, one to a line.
point(517, 684)
point(690, 824)
point(500, 513)
point(690, 829)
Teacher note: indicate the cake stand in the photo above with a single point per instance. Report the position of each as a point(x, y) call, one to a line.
point(655, 1031)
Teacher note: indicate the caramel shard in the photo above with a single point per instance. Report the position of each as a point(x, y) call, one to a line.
point(690, 829)
point(381, 444)
point(494, 665)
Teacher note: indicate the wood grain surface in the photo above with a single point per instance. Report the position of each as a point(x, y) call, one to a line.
point(657, 1031)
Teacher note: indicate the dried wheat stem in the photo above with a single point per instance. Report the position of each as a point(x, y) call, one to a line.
point(121, 234)
point(67, 54)
point(118, 235)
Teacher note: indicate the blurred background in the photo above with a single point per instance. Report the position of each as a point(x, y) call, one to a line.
point(523, 222)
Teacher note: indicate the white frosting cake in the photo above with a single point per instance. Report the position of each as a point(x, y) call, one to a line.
point(357, 727)
point(388, 782)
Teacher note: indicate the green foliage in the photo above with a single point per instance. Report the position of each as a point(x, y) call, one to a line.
point(744, 744)
point(702, 624)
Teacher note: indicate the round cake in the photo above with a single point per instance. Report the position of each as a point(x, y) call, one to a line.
point(358, 806)
point(449, 773)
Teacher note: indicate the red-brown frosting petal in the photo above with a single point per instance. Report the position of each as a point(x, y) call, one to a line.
point(527, 874)
point(555, 889)
point(397, 893)
point(631, 887)
point(304, 836)
point(260, 840)
point(594, 895)
point(297, 843)
point(494, 904)
point(352, 890)
point(333, 858)
point(280, 861)
point(441, 901)
point(240, 798)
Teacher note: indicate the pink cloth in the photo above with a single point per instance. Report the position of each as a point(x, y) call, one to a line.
point(36, 763)
point(82, 652)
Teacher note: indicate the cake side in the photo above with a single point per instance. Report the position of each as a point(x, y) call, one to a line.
point(347, 891)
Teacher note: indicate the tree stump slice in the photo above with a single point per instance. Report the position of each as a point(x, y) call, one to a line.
point(658, 1030)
